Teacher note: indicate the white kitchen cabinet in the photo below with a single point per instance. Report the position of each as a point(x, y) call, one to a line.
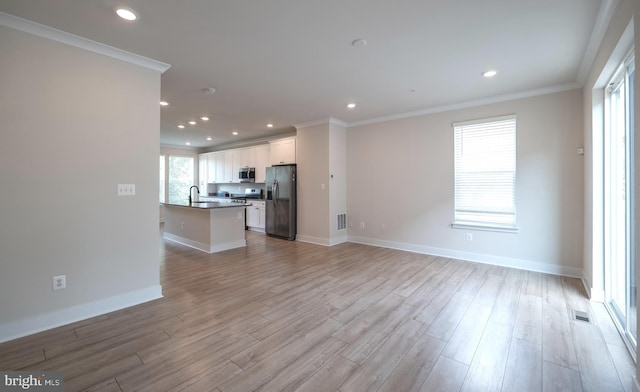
point(220, 166)
point(223, 166)
point(236, 164)
point(228, 166)
point(203, 171)
point(211, 167)
point(261, 159)
point(262, 207)
point(248, 157)
point(255, 215)
point(207, 169)
point(282, 151)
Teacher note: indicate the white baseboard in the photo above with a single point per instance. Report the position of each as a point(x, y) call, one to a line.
point(227, 246)
point(338, 240)
point(321, 241)
point(528, 265)
point(19, 328)
point(204, 247)
point(595, 295)
point(313, 240)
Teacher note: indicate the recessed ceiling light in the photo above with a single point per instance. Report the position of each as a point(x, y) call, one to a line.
point(188, 143)
point(490, 74)
point(234, 132)
point(269, 125)
point(351, 105)
point(181, 126)
point(126, 13)
point(204, 118)
point(192, 122)
point(209, 138)
point(164, 103)
point(359, 43)
point(210, 90)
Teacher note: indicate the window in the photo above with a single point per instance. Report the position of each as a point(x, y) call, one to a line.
point(177, 175)
point(485, 174)
point(181, 177)
point(618, 164)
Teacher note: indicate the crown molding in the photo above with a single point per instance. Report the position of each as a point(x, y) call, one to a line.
point(469, 104)
point(40, 30)
point(336, 121)
point(330, 120)
point(605, 14)
point(312, 123)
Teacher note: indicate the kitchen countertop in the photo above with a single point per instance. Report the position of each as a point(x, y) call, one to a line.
point(202, 205)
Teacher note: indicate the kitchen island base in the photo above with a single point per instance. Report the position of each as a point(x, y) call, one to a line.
point(209, 230)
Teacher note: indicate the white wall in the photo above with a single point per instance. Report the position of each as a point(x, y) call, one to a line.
point(337, 180)
point(401, 176)
point(322, 181)
point(74, 125)
point(312, 158)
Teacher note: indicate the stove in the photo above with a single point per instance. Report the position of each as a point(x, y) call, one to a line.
point(249, 194)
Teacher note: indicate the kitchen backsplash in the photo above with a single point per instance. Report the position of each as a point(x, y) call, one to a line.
point(213, 189)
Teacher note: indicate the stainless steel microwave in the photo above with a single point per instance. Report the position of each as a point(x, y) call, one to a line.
point(247, 174)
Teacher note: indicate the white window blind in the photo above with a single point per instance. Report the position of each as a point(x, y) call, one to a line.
point(485, 173)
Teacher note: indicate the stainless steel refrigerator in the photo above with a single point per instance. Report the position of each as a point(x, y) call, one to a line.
point(280, 213)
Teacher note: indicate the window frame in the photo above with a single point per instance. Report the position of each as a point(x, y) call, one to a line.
point(167, 172)
point(479, 224)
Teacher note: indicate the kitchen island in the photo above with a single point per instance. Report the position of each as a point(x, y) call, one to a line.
point(207, 226)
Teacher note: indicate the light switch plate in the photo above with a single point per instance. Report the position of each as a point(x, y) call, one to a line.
point(60, 282)
point(126, 189)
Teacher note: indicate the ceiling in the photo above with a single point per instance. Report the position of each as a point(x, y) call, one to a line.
point(290, 62)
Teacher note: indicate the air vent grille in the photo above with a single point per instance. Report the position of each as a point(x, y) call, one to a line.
point(341, 221)
point(581, 316)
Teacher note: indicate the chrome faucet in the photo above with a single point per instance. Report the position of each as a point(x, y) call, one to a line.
point(198, 190)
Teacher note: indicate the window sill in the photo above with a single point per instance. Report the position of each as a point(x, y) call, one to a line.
point(485, 227)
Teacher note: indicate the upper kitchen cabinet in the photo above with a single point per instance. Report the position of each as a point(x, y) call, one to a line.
point(282, 151)
point(237, 163)
point(206, 169)
point(261, 155)
point(222, 167)
point(203, 170)
point(220, 163)
point(248, 157)
point(211, 167)
point(228, 167)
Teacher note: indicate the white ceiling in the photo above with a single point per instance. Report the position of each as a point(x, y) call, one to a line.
point(291, 61)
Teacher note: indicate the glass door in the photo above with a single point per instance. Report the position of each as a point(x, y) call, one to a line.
point(620, 282)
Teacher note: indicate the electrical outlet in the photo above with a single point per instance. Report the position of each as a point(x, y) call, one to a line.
point(469, 237)
point(60, 282)
point(362, 225)
point(322, 187)
point(239, 215)
point(382, 228)
point(126, 189)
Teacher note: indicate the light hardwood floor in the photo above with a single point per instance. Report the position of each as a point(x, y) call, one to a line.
point(292, 316)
